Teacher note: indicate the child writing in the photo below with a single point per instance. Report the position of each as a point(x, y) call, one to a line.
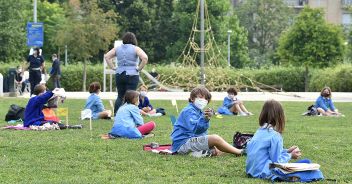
point(95, 104)
point(33, 114)
point(266, 146)
point(324, 104)
point(128, 120)
point(190, 130)
point(233, 105)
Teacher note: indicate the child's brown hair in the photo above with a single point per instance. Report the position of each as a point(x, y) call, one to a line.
point(94, 87)
point(232, 90)
point(143, 86)
point(322, 91)
point(273, 114)
point(39, 88)
point(131, 96)
point(200, 91)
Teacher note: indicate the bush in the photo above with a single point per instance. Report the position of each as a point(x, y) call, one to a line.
point(338, 78)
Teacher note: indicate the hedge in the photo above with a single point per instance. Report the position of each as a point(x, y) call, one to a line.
point(338, 78)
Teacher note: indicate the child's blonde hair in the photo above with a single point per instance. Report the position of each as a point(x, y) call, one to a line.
point(273, 114)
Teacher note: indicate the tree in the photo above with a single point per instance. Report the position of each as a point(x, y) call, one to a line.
point(87, 31)
point(264, 21)
point(53, 16)
point(13, 18)
point(311, 42)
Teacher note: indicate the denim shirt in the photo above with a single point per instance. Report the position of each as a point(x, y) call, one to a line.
point(324, 103)
point(127, 59)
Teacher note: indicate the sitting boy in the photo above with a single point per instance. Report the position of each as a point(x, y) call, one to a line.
point(190, 133)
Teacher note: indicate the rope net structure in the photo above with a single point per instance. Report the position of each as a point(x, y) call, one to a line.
point(191, 51)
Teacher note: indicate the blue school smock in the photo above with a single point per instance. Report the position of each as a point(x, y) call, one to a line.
point(33, 114)
point(95, 104)
point(226, 106)
point(127, 119)
point(324, 103)
point(190, 123)
point(145, 103)
point(265, 147)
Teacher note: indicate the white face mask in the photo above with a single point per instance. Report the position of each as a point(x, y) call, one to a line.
point(231, 96)
point(200, 103)
point(143, 93)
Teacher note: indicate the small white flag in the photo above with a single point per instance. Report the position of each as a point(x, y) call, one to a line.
point(173, 102)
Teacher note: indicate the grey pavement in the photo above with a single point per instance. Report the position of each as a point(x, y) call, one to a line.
point(246, 96)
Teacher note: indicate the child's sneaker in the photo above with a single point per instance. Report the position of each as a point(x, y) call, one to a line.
point(250, 114)
point(200, 154)
point(243, 114)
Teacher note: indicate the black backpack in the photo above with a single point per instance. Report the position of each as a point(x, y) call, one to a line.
point(15, 113)
point(240, 140)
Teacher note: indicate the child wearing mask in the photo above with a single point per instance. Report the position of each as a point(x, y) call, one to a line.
point(190, 131)
point(232, 105)
point(324, 104)
point(128, 120)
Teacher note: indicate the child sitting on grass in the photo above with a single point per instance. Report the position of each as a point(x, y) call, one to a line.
point(128, 120)
point(266, 146)
point(144, 103)
point(33, 114)
point(324, 103)
point(95, 104)
point(233, 105)
point(190, 130)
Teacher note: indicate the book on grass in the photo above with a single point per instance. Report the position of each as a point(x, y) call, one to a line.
point(287, 168)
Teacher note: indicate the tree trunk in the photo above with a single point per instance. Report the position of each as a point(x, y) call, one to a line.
point(84, 75)
point(306, 79)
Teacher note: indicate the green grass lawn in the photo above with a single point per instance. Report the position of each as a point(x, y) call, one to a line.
point(80, 156)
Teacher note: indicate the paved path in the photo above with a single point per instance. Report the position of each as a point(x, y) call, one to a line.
point(246, 96)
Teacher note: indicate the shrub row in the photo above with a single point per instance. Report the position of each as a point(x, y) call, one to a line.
point(338, 78)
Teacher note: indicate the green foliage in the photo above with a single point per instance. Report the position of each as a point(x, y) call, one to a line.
point(311, 41)
point(80, 156)
point(13, 18)
point(264, 21)
point(53, 16)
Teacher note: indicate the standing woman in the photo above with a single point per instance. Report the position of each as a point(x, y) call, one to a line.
point(128, 68)
point(36, 67)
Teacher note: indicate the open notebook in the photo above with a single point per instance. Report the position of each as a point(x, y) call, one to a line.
point(287, 168)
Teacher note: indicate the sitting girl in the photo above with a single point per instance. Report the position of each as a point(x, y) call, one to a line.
point(128, 120)
point(95, 104)
point(266, 146)
point(232, 105)
point(190, 132)
point(144, 104)
point(324, 104)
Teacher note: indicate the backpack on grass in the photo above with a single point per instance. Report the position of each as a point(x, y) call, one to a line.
point(15, 113)
point(240, 140)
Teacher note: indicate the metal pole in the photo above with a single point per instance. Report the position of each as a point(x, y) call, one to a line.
point(228, 47)
point(35, 10)
point(202, 73)
point(65, 55)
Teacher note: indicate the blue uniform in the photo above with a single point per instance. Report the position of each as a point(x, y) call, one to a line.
point(95, 104)
point(145, 103)
point(227, 104)
point(324, 103)
point(33, 114)
point(190, 123)
point(126, 121)
point(35, 75)
point(265, 147)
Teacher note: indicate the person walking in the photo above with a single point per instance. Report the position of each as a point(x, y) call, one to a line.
point(36, 67)
point(127, 66)
point(55, 72)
